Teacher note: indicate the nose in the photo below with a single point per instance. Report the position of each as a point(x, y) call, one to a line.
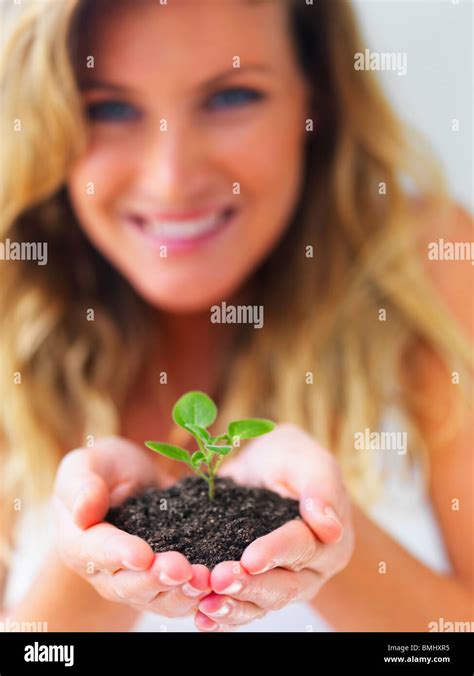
point(175, 167)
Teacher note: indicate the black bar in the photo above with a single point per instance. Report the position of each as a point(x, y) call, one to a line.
point(318, 653)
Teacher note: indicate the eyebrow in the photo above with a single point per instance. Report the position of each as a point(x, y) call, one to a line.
point(89, 84)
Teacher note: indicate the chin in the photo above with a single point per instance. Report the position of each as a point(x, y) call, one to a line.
point(183, 299)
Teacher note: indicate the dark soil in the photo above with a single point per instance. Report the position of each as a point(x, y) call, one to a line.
point(182, 518)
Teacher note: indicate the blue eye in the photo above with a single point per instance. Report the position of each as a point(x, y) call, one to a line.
point(234, 98)
point(111, 111)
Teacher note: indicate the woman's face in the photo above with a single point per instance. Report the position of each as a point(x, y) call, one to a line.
point(193, 165)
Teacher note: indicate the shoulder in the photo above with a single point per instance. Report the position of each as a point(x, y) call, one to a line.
point(426, 376)
point(445, 244)
point(450, 269)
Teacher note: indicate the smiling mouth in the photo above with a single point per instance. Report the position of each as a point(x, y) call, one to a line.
point(183, 231)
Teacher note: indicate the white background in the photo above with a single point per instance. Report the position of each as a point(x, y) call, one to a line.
point(437, 37)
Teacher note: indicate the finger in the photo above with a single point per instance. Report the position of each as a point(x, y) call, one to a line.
point(102, 547)
point(237, 471)
point(321, 518)
point(177, 603)
point(270, 591)
point(91, 502)
point(169, 570)
point(96, 479)
point(81, 490)
point(199, 584)
point(111, 549)
point(174, 568)
point(319, 486)
point(291, 546)
point(204, 623)
point(226, 610)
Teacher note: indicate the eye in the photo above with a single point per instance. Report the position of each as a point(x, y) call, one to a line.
point(234, 98)
point(111, 111)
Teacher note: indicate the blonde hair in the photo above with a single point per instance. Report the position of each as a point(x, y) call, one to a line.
point(321, 313)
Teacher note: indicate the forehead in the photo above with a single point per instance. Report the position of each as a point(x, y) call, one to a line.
point(194, 35)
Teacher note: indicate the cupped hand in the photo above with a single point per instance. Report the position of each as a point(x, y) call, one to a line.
point(121, 567)
point(292, 562)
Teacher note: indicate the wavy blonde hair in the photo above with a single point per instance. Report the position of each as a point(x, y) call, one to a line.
point(63, 378)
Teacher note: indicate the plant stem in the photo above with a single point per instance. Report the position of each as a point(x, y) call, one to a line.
point(211, 489)
point(212, 474)
point(198, 471)
point(222, 437)
point(201, 446)
point(208, 478)
point(216, 466)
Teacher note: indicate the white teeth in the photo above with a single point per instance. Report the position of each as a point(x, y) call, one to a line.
point(185, 229)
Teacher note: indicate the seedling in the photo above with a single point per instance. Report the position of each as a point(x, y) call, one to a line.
point(195, 412)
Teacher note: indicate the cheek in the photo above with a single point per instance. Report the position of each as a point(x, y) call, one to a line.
point(273, 167)
point(268, 164)
point(99, 177)
point(94, 184)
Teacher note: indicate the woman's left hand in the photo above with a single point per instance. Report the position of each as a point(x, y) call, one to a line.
point(292, 562)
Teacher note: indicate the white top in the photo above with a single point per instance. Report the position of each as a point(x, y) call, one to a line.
point(404, 512)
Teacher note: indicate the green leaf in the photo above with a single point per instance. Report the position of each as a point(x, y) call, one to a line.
point(170, 451)
point(199, 432)
point(194, 408)
point(197, 458)
point(222, 450)
point(252, 427)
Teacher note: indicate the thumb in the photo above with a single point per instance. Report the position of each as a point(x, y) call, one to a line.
point(91, 502)
point(321, 517)
point(235, 469)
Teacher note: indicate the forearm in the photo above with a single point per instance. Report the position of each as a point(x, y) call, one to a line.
point(66, 602)
point(407, 597)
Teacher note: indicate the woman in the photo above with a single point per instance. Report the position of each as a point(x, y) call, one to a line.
point(176, 156)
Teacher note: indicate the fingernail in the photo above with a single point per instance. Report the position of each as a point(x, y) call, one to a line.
point(189, 590)
point(222, 611)
point(233, 588)
point(83, 493)
point(214, 627)
point(269, 566)
point(331, 514)
point(166, 579)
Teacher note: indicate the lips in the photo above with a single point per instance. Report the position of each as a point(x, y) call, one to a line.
point(184, 214)
point(180, 230)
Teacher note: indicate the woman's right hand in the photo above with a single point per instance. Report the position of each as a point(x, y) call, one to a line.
point(121, 567)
